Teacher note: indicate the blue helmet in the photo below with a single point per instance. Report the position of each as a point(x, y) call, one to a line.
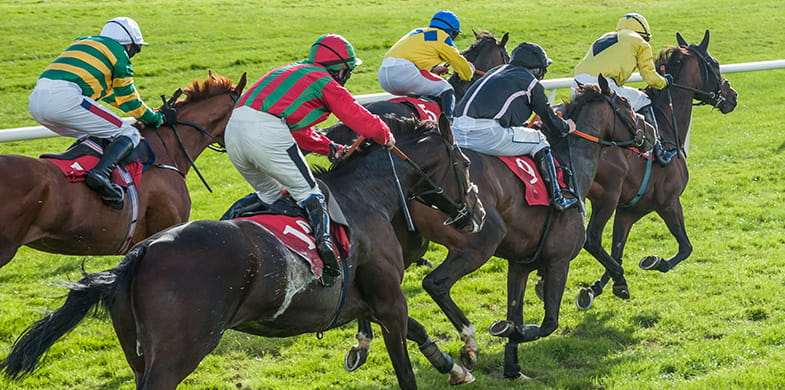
point(447, 21)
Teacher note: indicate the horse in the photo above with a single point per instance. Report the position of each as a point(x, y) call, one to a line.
point(43, 210)
point(234, 274)
point(485, 53)
point(633, 187)
point(529, 237)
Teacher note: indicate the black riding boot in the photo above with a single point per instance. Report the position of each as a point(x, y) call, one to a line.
point(548, 171)
point(663, 156)
point(320, 222)
point(100, 177)
point(247, 205)
point(447, 103)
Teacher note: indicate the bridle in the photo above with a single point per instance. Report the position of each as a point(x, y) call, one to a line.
point(638, 135)
point(213, 145)
point(434, 196)
point(710, 92)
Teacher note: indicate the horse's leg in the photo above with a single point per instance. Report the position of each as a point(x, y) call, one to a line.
point(674, 219)
point(393, 324)
point(125, 328)
point(622, 225)
point(358, 354)
point(513, 327)
point(602, 210)
point(7, 252)
point(438, 284)
point(439, 360)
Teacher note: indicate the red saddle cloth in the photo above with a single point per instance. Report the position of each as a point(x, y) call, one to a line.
point(76, 170)
point(536, 192)
point(426, 109)
point(295, 233)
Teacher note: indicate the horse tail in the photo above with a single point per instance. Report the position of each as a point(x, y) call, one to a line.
point(84, 295)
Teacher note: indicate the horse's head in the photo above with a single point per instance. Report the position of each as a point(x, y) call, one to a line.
point(487, 52)
point(604, 117)
point(208, 105)
point(695, 70)
point(444, 169)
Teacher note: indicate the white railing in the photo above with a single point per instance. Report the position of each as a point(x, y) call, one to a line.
point(552, 85)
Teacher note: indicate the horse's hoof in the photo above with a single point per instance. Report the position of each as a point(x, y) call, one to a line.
point(519, 377)
point(585, 299)
point(355, 358)
point(539, 289)
point(649, 262)
point(468, 357)
point(501, 328)
point(460, 376)
point(621, 291)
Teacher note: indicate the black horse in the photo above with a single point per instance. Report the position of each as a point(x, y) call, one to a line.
point(633, 187)
point(234, 274)
point(531, 238)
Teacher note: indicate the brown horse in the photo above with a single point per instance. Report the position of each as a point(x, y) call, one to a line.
point(219, 275)
point(43, 210)
point(634, 187)
point(531, 238)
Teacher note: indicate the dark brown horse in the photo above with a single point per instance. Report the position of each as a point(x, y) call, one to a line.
point(531, 238)
point(486, 52)
point(634, 187)
point(43, 210)
point(219, 275)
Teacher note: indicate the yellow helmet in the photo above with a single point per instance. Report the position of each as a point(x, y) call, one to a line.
point(635, 22)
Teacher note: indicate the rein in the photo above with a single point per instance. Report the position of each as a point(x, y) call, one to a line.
point(628, 124)
point(198, 128)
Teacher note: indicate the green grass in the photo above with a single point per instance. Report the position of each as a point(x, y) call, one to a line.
point(716, 321)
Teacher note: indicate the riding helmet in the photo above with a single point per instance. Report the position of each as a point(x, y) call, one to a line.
point(635, 22)
point(447, 21)
point(333, 52)
point(123, 30)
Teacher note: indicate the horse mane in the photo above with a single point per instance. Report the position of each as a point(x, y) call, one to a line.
point(483, 37)
point(212, 86)
point(664, 57)
point(587, 93)
point(406, 131)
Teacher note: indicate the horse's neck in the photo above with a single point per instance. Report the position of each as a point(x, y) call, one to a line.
point(681, 114)
point(361, 192)
point(582, 158)
point(167, 149)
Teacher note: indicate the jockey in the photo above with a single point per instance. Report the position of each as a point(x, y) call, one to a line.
point(414, 65)
point(490, 117)
point(97, 68)
point(616, 55)
point(275, 115)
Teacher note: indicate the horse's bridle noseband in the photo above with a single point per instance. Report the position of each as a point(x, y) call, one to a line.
point(710, 92)
point(457, 210)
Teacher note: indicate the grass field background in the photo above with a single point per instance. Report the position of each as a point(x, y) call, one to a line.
point(716, 321)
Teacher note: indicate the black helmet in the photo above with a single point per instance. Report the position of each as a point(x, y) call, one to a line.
point(530, 55)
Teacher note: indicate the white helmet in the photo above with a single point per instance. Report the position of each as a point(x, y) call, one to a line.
point(123, 30)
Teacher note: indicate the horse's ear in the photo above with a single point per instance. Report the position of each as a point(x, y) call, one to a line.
point(210, 74)
point(445, 128)
point(240, 84)
point(476, 36)
point(680, 40)
point(704, 45)
point(604, 88)
point(503, 42)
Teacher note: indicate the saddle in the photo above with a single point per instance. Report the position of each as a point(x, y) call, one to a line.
point(85, 153)
point(426, 108)
point(287, 221)
point(536, 193)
